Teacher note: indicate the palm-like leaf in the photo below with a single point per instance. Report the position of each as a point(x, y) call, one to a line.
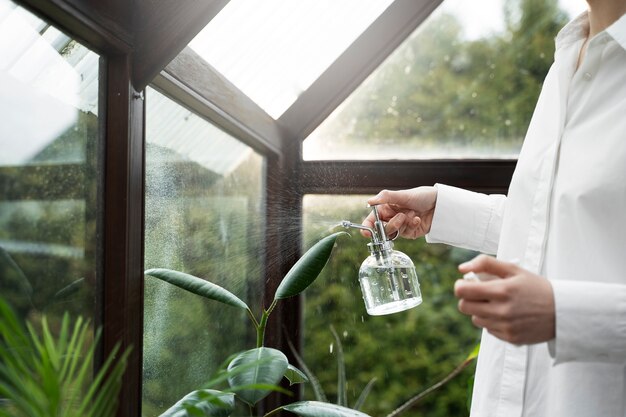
point(308, 267)
point(42, 376)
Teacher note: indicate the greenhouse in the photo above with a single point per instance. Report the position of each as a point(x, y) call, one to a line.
point(186, 207)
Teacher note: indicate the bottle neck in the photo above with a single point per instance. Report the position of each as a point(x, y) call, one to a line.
point(381, 251)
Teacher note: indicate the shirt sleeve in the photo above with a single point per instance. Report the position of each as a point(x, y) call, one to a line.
point(590, 322)
point(467, 219)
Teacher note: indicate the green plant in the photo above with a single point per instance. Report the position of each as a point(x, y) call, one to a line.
point(342, 390)
point(253, 374)
point(456, 371)
point(47, 376)
point(342, 386)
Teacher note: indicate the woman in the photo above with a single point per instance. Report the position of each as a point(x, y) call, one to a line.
point(554, 338)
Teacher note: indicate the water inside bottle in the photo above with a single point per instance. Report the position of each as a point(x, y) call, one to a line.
point(388, 290)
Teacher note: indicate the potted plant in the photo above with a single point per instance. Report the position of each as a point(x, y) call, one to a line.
point(253, 374)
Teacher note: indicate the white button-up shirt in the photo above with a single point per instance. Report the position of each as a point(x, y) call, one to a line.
point(564, 218)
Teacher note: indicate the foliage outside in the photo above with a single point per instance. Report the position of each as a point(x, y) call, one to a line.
point(441, 95)
point(405, 352)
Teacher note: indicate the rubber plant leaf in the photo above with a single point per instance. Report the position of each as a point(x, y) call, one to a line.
point(197, 286)
point(320, 409)
point(268, 368)
point(295, 376)
point(308, 267)
point(206, 402)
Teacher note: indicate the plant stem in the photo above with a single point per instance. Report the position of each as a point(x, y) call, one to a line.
point(269, 310)
point(256, 323)
point(260, 330)
point(424, 393)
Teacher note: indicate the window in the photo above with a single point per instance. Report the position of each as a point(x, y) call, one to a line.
point(48, 168)
point(204, 216)
point(407, 351)
point(275, 49)
point(464, 84)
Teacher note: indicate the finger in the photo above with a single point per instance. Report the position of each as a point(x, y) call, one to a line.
point(499, 334)
point(384, 212)
point(476, 308)
point(368, 222)
point(401, 198)
point(497, 290)
point(413, 230)
point(490, 265)
point(398, 223)
point(493, 326)
point(480, 322)
point(498, 329)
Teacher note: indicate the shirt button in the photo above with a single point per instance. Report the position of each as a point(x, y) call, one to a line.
point(587, 76)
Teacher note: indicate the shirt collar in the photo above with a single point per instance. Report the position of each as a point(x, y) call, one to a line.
point(618, 31)
point(578, 29)
point(575, 30)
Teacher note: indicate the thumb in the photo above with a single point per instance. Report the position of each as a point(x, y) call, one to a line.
point(489, 265)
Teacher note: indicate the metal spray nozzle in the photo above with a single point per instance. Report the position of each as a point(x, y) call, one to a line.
point(380, 241)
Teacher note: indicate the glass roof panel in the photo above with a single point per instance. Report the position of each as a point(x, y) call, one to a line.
point(273, 50)
point(463, 85)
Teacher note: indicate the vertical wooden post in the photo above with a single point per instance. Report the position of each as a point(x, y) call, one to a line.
point(122, 284)
point(284, 237)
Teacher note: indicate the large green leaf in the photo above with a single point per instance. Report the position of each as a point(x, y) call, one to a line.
point(206, 402)
point(319, 409)
point(197, 286)
point(308, 267)
point(269, 366)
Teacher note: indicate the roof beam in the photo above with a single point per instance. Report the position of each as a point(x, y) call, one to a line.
point(191, 81)
point(354, 65)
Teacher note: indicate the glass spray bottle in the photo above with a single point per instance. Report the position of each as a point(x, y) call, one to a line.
point(388, 279)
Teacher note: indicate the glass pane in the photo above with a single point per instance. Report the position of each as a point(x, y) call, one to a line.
point(407, 351)
point(464, 84)
point(204, 216)
point(273, 50)
point(48, 168)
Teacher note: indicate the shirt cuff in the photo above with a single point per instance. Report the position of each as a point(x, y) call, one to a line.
point(467, 219)
point(590, 322)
